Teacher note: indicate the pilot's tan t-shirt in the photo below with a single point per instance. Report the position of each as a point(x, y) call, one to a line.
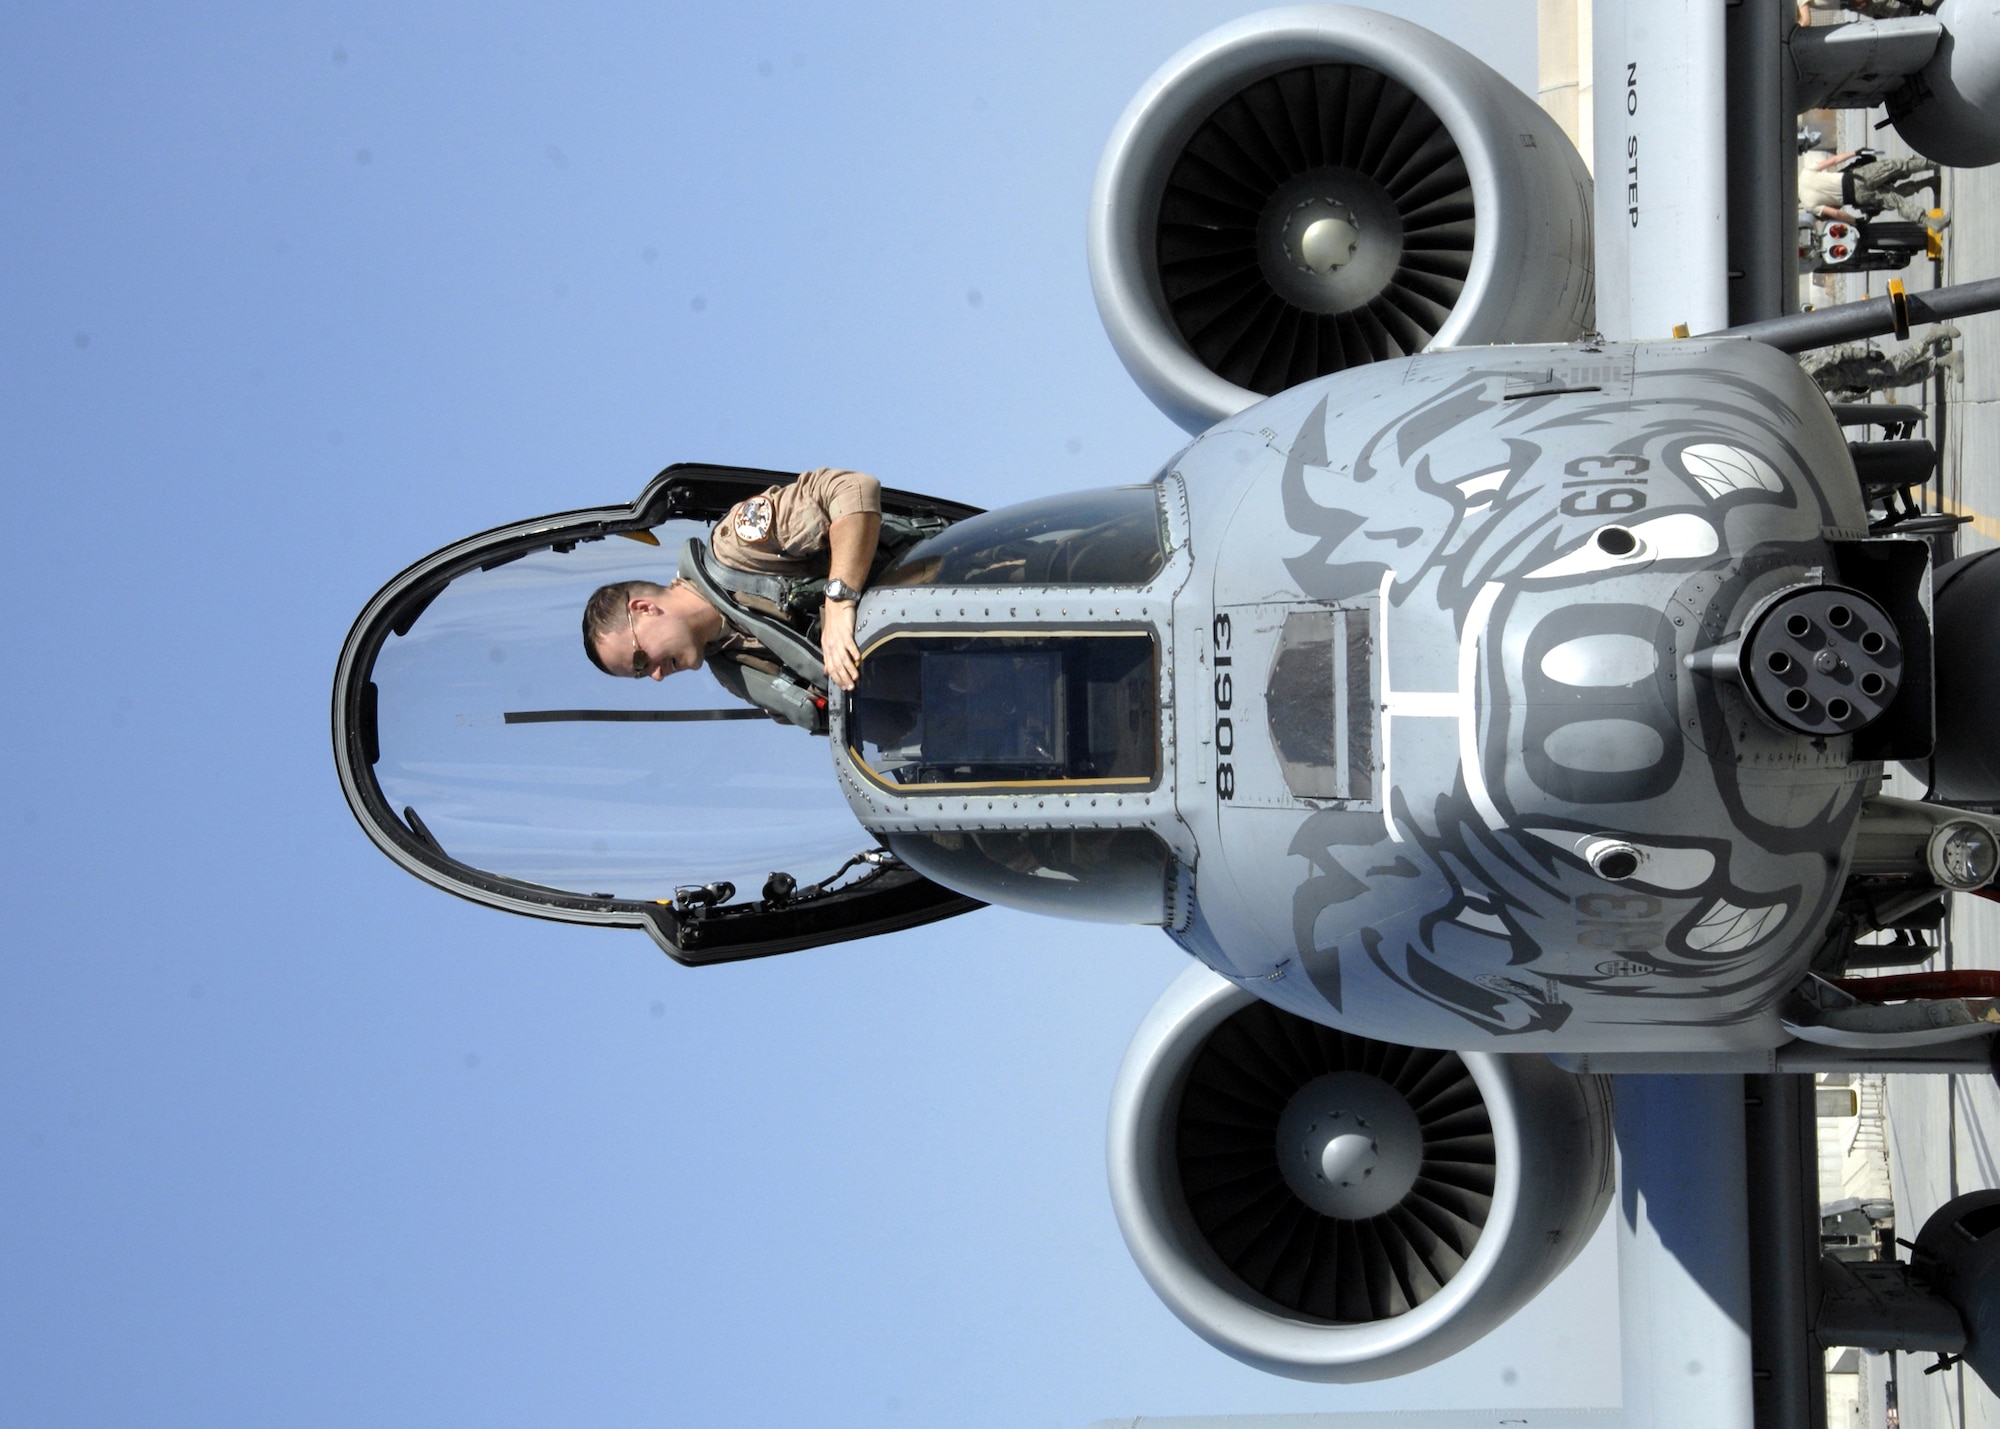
point(782, 531)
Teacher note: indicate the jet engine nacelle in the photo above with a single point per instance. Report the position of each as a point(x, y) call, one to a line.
point(1958, 1255)
point(1334, 1208)
point(1950, 111)
point(1314, 188)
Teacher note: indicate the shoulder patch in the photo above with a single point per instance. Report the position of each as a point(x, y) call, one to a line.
point(753, 520)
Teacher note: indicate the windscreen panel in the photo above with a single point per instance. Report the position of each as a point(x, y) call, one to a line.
point(505, 748)
point(1113, 536)
point(1008, 710)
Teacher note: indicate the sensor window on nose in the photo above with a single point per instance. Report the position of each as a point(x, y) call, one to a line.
point(1320, 705)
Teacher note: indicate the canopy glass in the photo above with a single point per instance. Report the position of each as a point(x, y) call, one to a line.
point(1112, 536)
point(1009, 708)
point(505, 749)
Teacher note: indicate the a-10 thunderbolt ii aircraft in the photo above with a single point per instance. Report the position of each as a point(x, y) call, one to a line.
point(1469, 689)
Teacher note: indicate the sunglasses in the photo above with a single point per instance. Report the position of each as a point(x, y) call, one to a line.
point(642, 663)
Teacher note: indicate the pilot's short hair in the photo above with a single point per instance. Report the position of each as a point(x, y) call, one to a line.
point(605, 612)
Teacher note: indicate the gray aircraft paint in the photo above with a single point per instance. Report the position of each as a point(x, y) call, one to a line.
point(1527, 706)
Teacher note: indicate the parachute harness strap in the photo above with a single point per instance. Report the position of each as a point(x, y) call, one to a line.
point(719, 587)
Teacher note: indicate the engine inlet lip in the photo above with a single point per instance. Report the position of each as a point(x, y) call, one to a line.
point(1198, 1286)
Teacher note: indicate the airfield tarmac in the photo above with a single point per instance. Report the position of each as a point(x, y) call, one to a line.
point(1943, 1133)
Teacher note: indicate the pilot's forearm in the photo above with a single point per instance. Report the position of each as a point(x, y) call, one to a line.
point(851, 546)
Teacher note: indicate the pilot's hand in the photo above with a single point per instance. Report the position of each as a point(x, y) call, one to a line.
point(836, 642)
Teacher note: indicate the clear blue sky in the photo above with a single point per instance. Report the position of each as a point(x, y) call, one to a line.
point(294, 295)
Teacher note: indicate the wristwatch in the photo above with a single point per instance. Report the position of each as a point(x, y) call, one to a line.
point(838, 589)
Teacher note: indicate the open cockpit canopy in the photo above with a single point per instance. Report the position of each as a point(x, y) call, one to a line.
point(483, 752)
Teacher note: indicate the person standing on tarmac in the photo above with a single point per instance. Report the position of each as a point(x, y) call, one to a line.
point(1827, 190)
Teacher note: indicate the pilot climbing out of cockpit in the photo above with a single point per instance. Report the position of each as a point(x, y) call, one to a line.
point(816, 536)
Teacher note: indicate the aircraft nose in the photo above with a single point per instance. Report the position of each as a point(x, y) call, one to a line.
point(1602, 717)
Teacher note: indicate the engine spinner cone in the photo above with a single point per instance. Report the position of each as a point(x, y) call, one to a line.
point(1349, 1145)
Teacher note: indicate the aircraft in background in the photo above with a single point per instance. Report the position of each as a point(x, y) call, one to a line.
point(1486, 704)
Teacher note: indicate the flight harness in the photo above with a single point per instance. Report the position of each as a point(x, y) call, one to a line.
point(781, 613)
